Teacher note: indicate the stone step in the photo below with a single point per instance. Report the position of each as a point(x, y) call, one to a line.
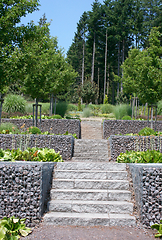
point(88, 174)
point(91, 166)
point(119, 207)
point(91, 194)
point(90, 159)
point(88, 219)
point(91, 154)
point(90, 184)
point(91, 150)
point(91, 142)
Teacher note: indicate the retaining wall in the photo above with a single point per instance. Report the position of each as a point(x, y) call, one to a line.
point(24, 189)
point(147, 184)
point(61, 143)
point(113, 127)
point(120, 144)
point(56, 126)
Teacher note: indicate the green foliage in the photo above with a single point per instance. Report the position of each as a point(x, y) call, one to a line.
point(72, 108)
point(159, 108)
point(87, 112)
point(146, 132)
point(8, 128)
point(126, 118)
point(158, 227)
point(14, 103)
point(88, 91)
point(34, 130)
point(122, 110)
point(61, 108)
point(54, 117)
point(79, 105)
point(106, 108)
point(12, 228)
point(31, 154)
point(150, 156)
point(106, 99)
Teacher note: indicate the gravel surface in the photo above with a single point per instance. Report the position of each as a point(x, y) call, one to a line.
point(89, 233)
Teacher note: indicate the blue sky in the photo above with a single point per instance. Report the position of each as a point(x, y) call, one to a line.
point(65, 15)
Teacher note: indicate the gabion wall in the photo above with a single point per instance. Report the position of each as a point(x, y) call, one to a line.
point(62, 144)
point(120, 144)
point(24, 190)
point(56, 126)
point(113, 127)
point(147, 183)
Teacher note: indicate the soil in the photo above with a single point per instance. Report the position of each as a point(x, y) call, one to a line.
point(50, 232)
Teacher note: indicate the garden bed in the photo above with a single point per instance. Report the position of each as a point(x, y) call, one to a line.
point(113, 127)
point(122, 144)
point(60, 143)
point(56, 126)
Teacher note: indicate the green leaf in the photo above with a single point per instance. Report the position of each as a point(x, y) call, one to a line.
point(2, 232)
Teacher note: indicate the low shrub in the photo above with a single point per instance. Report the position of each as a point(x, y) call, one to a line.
point(106, 108)
point(87, 112)
point(61, 108)
point(147, 132)
point(14, 103)
point(34, 130)
point(159, 108)
point(122, 110)
point(150, 156)
point(126, 118)
point(6, 128)
point(72, 108)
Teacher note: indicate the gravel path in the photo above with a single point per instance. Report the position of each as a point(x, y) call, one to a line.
point(89, 233)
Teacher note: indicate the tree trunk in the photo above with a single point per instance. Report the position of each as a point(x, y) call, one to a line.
point(93, 59)
point(151, 117)
point(105, 66)
point(51, 105)
point(36, 112)
point(148, 117)
point(55, 107)
point(118, 67)
point(1, 102)
point(123, 50)
point(83, 65)
point(108, 80)
point(98, 83)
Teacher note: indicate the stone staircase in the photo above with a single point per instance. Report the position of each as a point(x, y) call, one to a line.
point(89, 190)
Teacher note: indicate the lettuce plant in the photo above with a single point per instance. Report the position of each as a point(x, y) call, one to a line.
point(159, 228)
point(12, 228)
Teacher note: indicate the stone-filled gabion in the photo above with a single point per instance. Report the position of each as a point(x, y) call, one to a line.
point(56, 126)
point(24, 189)
point(120, 144)
point(113, 127)
point(61, 143)
point(147, 183)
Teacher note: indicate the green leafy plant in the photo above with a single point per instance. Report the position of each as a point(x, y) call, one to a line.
point(159, 228)
point(106, 99)
point(146, 132)
point(150, 156)
point(31, 154)
point(106, 108)
point(79, 105)
point(14, 103)
point(72, 108)
point(12, 228)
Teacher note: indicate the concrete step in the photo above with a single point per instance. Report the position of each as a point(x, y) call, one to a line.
point(90, 159)
point(90, 184)
point(91, 154)
point(91, 194)
point(120, 207)
point(91, 150)
point(91, 166)
point(88, 174)
point(89, 219)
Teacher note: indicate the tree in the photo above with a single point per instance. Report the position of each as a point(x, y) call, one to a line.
point(10, 34)
point(143, 71)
